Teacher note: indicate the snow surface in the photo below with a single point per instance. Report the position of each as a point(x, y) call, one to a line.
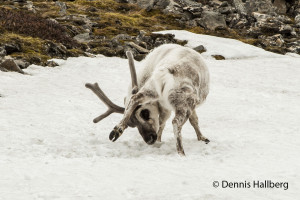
point(50, 149)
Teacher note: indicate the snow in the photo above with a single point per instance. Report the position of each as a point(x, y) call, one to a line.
point(50, 149)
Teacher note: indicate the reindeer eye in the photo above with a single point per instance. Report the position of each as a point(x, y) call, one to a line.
point(145, 114)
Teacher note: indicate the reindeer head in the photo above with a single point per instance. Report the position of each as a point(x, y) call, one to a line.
point(145, 118)
point(140, 111)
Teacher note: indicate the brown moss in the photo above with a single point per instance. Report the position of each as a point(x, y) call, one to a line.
point(109, 5)
point(31, 47)
point(274, 49)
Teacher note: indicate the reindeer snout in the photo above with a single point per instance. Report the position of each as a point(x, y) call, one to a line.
point(151, 139)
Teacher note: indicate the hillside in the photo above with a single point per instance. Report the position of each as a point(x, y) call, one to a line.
point(32, 32)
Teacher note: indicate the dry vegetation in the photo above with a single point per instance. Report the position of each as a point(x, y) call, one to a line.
point(29, 24)
point(34, 30)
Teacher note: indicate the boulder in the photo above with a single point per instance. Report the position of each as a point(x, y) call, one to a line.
point(280, 6)
point(200, 49)
point(275, 40)
point(212, 20)
point(151, 4)
point(286, 29)
point(10, 65)
point(84, 37)
point(62, 6)
point(35, 60)
point(297, 20)
point(22, 64)
point(225, 10)
point(56, 50)
point(240, 6)
point(261, 6)
point(29, 5)
point(52, 63)
point(11, 48)
point(2, 52)
point(194, 11)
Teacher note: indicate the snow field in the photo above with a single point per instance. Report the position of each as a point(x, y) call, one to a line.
point(50, 149)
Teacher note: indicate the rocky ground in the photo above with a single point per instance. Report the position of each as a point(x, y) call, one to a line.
point(32, 32)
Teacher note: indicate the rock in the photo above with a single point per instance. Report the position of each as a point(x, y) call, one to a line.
point(56, 50)
point(11, 48)
point(195, 11)
point(122, 37)
point(267, 23)
point(233, 19)
point(84, 37)
point(10, 65)
point(200, 49)
point(280, 6)
point(260, 16)
point(261, 6)
point(151, 4)
point(225, 10)
point(297, 19)
point(22, 64)
point(241, 24)
point(218, 57)
point(62, 6)
point(275, 40)
point(240, 6)
point(35, 60)
point(29, 5)
point(284, 19)
point(51, 63)
point(3, 69)
point(212, 20)
point(180, 7)
point(254, 32)
point(78, 20)
point(224, 4)
point(161, 4)
point(2, 52)
point(286, 29)
point(294, 47)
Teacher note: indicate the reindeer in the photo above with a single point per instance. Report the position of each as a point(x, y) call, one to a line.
point(173, 78)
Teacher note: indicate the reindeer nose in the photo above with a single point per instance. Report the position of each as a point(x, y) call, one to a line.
point(151, 139)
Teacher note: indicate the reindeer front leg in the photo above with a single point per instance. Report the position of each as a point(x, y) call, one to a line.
point(135, 100)
point(181, 116)
point(163, 117)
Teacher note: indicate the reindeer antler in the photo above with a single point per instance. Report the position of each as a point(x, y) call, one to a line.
point(132, 72)
point(111, 106)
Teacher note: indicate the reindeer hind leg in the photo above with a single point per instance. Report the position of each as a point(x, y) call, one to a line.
point(194, 122)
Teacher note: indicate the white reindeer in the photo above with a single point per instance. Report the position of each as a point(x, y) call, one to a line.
point(173, 78)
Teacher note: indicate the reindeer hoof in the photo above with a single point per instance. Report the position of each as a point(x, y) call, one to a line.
point(115, 134)
point(206, 141)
